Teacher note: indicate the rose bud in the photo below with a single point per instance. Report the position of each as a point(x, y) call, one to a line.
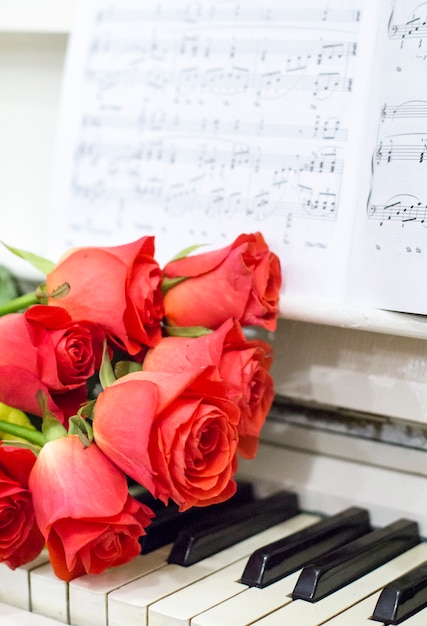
point(84, 510)
point(44, 350)
point(240, 281)
point(118, 287)
point(243, 365)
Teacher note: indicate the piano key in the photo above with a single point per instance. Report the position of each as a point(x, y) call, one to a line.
point(169, 521)
point(204, 539)
point(340, 567)
point(15, 584)
point(254, 603)
point(49, 594)
point(18, 617)
point(129, 604)
point(183, 605)
point(272, 562)
point(419, 619)
point(313, 613)
point(87, 595)
point(402, 597)
point(250, 605)
point(359, 613)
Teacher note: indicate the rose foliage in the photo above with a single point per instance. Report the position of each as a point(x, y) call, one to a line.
point(130, 372)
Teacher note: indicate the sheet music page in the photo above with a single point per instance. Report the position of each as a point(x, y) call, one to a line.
point(196, 121)
point(390, 253)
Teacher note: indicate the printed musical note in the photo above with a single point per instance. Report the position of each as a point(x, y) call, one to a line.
point(393, 150)
point(403, 208)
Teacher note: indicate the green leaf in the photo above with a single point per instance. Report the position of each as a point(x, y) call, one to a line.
point(42, 265)
point(169, 283)
point(106, 372)
point(52, 428)
point(186, 252)
point(87, 410)
point(78, 426)
point(187, 331)
point(8, 288)
point(126, 367)
point(21, 444)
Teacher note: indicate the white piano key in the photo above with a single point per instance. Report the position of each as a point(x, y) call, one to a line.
point(13, 616)
point(49, 594)
point(358, 614)
point(129, 604)
point(183, 605)
point(88, 594)
point(311, 614)
point(15, 584)
point(249, 605)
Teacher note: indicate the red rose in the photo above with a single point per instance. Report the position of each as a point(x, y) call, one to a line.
point(43, 349)
point(175, 434)
point(20, 538)
point(84, 510)
point(117, 287)
point(243, 365)
point(241, 281)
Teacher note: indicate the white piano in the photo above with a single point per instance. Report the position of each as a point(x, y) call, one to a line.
point(349, 426)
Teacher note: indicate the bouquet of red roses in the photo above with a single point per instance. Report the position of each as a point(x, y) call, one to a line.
point(119, 369)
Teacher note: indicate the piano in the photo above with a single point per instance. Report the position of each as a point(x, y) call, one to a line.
point(312, 455)
point(348, 428)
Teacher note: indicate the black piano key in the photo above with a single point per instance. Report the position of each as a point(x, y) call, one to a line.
point(169, 521)
point(403, 597)
point(279, 558)
point(205, 538)
point(344, 565)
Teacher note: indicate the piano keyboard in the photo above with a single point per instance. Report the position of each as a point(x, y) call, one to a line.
point(348, 580)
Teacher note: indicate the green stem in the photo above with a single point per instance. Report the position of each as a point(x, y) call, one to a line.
point(33, 436)
point(17, 304)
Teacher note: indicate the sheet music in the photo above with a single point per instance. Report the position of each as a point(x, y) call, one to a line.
point(390, 256)
point(196, 121)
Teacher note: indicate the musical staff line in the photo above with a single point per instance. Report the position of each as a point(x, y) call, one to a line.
point(214, 156)
point(206, 45)
point(390, 151)
point(410, 109)
point(185, 199)
point(196, 12)
point(403, 208)
point(160, 121)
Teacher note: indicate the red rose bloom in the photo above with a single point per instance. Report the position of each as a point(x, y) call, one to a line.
point(44, 350)
point(241, 281)
point(20, 538)
point(175, 434)
point(84, 510)
point(117, 287)
point(243, 365)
